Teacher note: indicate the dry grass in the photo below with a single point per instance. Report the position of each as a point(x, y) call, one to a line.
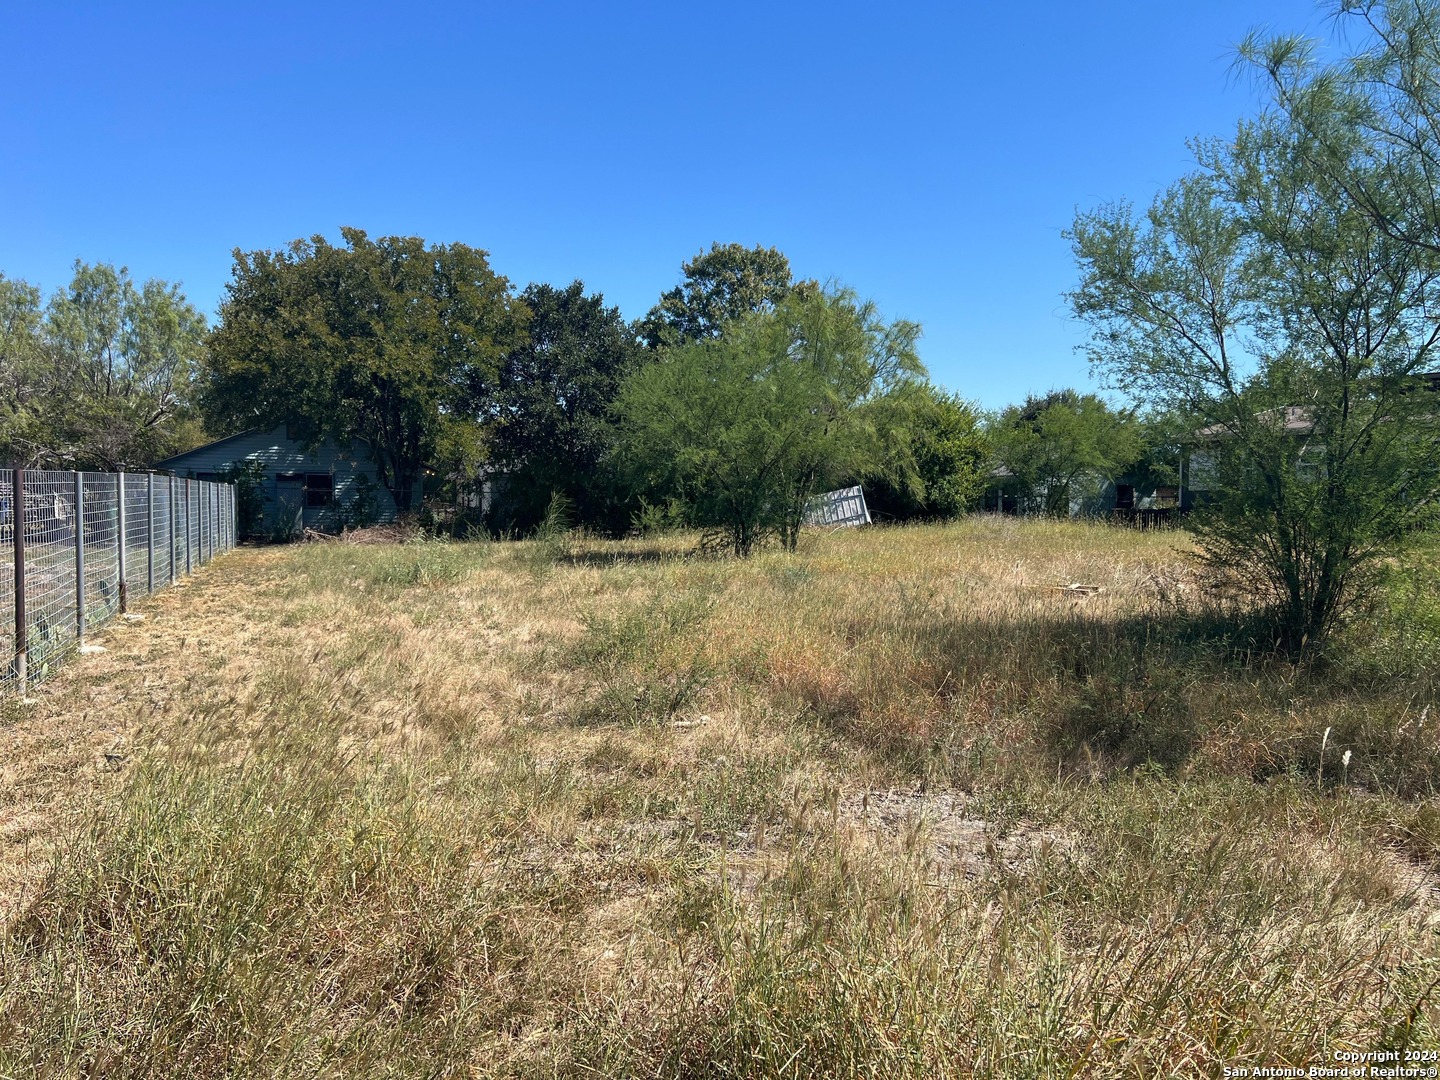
point(892, 806)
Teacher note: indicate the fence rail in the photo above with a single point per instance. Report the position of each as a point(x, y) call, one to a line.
point(75, 547)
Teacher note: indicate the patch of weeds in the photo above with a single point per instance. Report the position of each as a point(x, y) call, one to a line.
point(424, 563)
point(731, 793)
point(1401, 638)
point(645, 660)
point(1367, 745)
point(1118, 705)
point(553, 540)
point(257, 915)
point(792, 577)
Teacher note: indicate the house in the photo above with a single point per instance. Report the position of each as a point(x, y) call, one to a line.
point(1295, 422)
point(1127, 498)
point(323, 489)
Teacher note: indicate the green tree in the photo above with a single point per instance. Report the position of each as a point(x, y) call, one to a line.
point(552, 431)
point(124, 359)
point(22, 382)
point(1259, 298)
point(946, 457)
point(1380, 104)
point(102, 376)
point(721, 286)
point(381, 340)
point(1063, 446)
point(750, 424)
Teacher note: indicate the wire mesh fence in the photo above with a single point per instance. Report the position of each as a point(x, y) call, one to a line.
point(75, 547)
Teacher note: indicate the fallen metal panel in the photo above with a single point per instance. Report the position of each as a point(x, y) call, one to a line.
point(838, 508)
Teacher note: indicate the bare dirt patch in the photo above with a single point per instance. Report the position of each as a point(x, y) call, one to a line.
point(957, 841)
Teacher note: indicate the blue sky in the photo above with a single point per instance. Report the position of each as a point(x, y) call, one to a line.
point(927, 155)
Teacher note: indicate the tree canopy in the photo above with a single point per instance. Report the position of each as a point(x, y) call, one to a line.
point(750, 424)
point(1062, 446)
point(1258, 297)
point(382, 340)
point(945, 453)
point(101, 377)
point(550, 407)
point(721, 286)
point(1379, 106)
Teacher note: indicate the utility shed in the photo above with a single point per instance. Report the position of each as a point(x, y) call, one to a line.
point(322, 489)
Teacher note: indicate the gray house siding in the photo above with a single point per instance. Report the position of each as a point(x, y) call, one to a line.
point(294, 486)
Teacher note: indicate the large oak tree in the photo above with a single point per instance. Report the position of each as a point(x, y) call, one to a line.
point(382, 340)
point(551, 428)
point(720, 287)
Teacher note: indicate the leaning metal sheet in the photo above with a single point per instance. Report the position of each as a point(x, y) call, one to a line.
point(843, 507)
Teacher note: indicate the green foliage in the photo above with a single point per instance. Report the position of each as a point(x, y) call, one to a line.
point(220, 950)
point(552, 431)
point(103, 378)
point(380, 340)
point(249, 480)
point(22, 369)
point(1063, 446)
point(947, 456)
point(721, 286)
point(750, 425)
point(645, 661)
point(361, 508)
point(1259, 298)
point(559, 519)
point(1380, 104)
point(654, 519)
point(430, 561)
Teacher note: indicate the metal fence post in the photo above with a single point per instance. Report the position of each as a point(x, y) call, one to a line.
point(22, 637)
point(120, 537)
point(150, 532)
point(79, 559)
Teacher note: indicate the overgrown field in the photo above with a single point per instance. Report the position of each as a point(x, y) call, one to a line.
point(893, 806)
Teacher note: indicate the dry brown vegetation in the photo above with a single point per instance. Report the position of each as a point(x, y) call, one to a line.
point(891, 806)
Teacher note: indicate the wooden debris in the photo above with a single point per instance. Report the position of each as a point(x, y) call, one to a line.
point(1073, 589)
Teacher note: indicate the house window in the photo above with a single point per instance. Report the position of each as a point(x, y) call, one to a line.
point(1310, 465)
point(319, 489)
